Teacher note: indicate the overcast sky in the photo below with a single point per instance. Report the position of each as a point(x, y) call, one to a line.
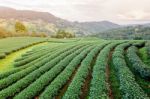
point(119, 11)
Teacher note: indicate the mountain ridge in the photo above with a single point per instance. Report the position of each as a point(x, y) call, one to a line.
point(80, 28)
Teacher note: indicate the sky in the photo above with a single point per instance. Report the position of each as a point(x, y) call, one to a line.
point(118, 11)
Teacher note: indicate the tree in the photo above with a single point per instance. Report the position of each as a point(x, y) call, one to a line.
point(3, 33)
point(34, 34)
point(20, 27)
point(64, 34)
point(137, 38)
point(42, 35)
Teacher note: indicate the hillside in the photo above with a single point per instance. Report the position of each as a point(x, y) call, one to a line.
point(26, 15)
point(46, 22)
point(127, 32)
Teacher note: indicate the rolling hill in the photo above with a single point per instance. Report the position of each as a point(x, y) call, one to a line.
point(46, 22)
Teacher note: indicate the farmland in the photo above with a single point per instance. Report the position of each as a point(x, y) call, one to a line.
point(81, 68)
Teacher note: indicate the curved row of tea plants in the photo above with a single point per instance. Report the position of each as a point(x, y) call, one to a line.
point(137, 64)
point(13, 44)
point(74, 89)
point(64, 71)
point(39, 49)
point(128, 86)
point(36, 87)
point(61, 79)
point(99, 86)
point(15, 77)
point(21, 84)
point(38, 62)
point(138, 43)
point(33, 52)
point(148, 48)
point(24, 60)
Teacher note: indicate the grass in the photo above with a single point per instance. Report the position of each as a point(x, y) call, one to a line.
point(7, 63)
point(12, 44)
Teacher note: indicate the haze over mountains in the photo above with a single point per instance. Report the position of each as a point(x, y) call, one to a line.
point(46, 22)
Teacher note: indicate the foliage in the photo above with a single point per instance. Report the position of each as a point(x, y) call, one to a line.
point(35, 62)
point(148, 48)
point(4, 33)
point(10, 45)
point(143, 54)
point(137, 64)
point(74, 89)
point(32, 76)
point(99, 87)
point(20, 27)
point(61, 67)
point(126, 32)
point(48, 76)
point(20, 30)
point(128, 86)
point(57, 84)
point(64, 34)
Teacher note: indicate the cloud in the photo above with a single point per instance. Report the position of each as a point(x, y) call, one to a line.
point(135, 15)
point(120, 11)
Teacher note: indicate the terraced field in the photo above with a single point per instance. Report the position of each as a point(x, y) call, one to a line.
point(80, 69)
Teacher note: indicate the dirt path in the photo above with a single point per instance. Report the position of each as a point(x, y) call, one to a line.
point(64, 88)
point(86, 86)
point(108, 76)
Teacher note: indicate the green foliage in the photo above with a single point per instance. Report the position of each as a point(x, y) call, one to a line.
point(20, 27)
point(143, 54)
point(128, 86)
point(64, 34)
point(137, 64)
point(99, 87)
point(35, 63)
point(148, 48)
point(74, 89)
point(61, 67)
point(128, 32)
point(139, 43)
point(2, 55)
point(62, 78)
point(10, 45)
point(48, 76)
point(26, 60)
point(34, 75)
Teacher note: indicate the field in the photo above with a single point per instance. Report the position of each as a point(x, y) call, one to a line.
point(82, 68)
point(10, 45)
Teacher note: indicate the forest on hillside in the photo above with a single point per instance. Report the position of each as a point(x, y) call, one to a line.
point(140, 32)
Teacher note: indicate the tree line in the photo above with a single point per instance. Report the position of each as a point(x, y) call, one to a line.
point(63, 34)
point(20, 30)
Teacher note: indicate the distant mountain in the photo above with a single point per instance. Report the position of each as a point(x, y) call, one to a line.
point(45, 21)
point(26, 15)
point(95, 27)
